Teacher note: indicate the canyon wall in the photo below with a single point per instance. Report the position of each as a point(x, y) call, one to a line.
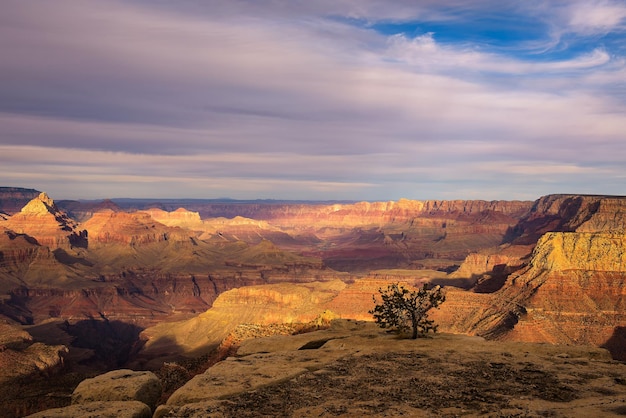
point(356, 213)
point(550, 270)
point(569, 287)
point(157, 262)
point(570, 277)
point(570, 290)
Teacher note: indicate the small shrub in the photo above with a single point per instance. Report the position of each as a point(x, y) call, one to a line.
point(403, 310)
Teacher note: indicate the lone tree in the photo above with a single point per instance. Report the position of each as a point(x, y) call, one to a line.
point(405, 310)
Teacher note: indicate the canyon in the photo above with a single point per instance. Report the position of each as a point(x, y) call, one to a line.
point(165, 281)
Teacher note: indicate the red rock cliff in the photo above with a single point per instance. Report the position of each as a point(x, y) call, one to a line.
point(572, 291)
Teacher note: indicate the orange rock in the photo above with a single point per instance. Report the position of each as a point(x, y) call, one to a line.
point(42, 220)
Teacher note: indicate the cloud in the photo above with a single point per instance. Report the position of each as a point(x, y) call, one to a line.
point(424, 53)
point(591, 17)
point(302, 99)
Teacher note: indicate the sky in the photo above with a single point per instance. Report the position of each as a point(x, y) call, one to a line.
point(313, 99)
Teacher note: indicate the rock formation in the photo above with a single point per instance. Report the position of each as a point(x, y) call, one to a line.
point(356, 369)
point(43, 221)
point(21, 356)
point(568, 213)
point(261, 305)
point(362, 213)
point(545, 271)
point(120, 393)
point(350, 237)
point(107, 227)
point(180, 217)
point(571, 291)
point(567, 290)
point(119, 385)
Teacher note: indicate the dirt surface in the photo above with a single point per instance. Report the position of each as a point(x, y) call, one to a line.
point(393, 384)
point(446, 376)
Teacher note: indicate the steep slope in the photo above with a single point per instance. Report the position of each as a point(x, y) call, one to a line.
point(261, 305)
point(568, 213)
point(572, 291)
point(25, 263)
point(552, 213)
point(43, 221)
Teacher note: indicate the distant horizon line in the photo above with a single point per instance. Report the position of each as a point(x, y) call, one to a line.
point(279, 200)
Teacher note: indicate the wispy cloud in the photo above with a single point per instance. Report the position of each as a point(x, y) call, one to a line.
point(312, 99)
point(593, 17)
point(425, 53)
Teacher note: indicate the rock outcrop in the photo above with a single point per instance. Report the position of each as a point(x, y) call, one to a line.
point(20, 356)
point(180, 217)
point(119, 385)
point(357, 369)
point(570, 213)
point(571, 291)
point(119, 393)
point(43, 221)
point(261, 305)
point(107, 227)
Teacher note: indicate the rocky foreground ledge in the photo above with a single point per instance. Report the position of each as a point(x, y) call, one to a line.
point(356, 369)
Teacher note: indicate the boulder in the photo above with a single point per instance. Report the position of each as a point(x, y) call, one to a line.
point(119, 385)
point(235, 375)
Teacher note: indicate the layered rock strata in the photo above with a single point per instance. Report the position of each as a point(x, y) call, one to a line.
point(43, 221)
point(261, 305)
point(572, 291)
